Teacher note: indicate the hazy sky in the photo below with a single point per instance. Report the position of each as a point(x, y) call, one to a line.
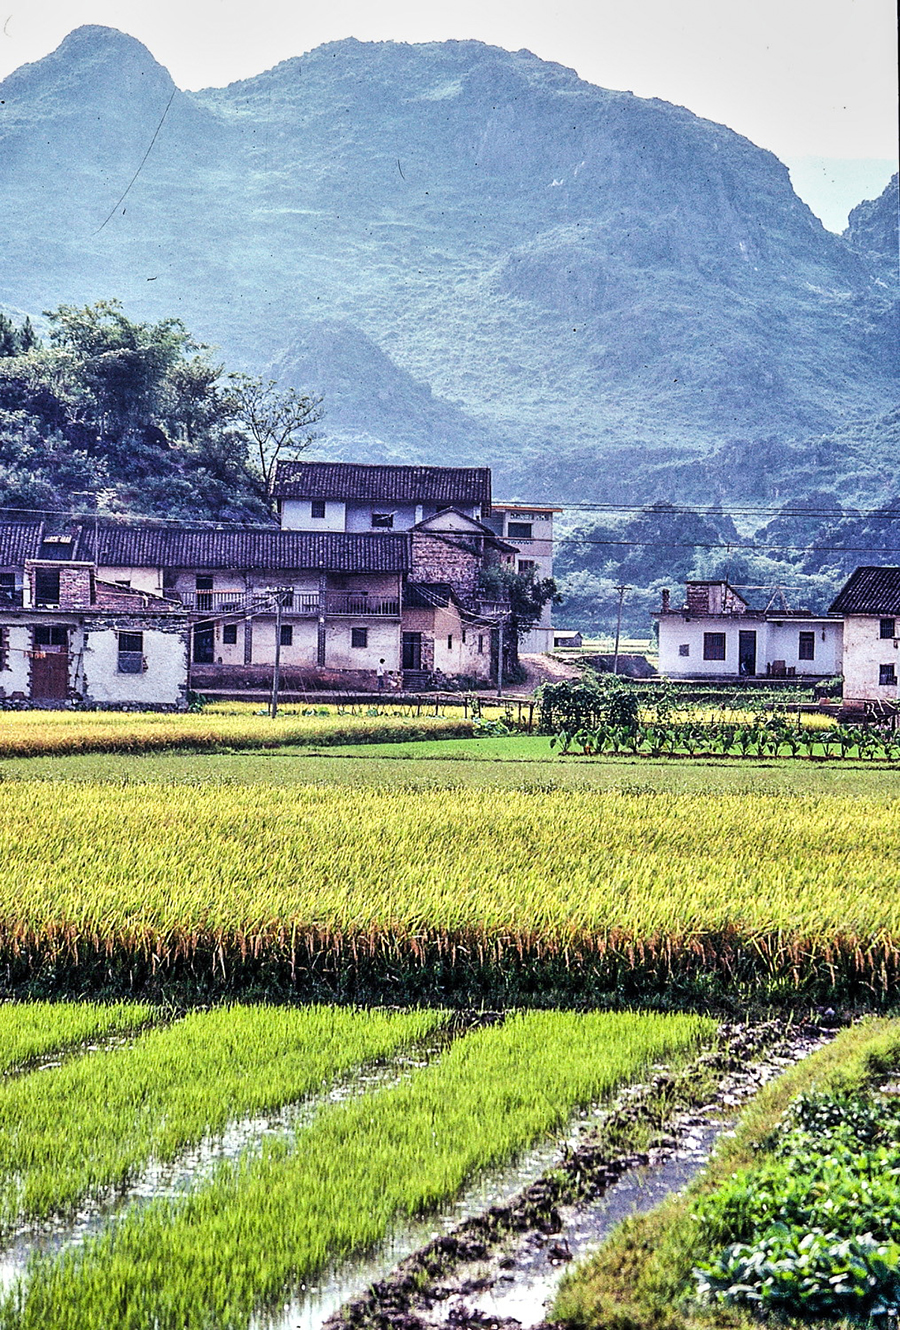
point(813, 80)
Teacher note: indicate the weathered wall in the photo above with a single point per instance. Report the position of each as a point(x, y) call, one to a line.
point(383, 640)
point(436, 560)
point(864, 652)
point(164, 682)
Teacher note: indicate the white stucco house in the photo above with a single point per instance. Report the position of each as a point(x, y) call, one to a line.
point(715, 635)
point(869, 606)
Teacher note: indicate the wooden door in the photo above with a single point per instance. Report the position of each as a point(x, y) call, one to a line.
point(50, 675)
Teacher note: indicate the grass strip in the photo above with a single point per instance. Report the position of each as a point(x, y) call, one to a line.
point(642, 1277)
point(32, 1030)
point(740, 887)
point(43, 733)
point(89, 1124)
point(279, 1216)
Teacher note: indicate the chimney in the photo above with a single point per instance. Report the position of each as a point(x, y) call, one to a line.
point(665, 600)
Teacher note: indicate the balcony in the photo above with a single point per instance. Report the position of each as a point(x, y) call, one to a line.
point(358, 604)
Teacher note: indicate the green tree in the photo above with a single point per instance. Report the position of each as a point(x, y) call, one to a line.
point(525, 594)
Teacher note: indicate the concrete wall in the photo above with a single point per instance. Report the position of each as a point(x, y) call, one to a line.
point(296, 515)
point(865, 651)
point(140, 579)
point(163, 682)
point(383, 640)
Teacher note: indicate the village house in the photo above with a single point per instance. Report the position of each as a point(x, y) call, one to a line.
point(373, 579)
point(869, 606)
point(68, 635)
point(529, 529)
point(348, 496)
point(715, 635)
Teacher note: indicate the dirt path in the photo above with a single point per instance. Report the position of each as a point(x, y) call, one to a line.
point(541, 669)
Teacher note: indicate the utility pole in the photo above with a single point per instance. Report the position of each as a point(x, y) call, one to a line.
point(500, 657)
point(621, 590)
point(276, 668)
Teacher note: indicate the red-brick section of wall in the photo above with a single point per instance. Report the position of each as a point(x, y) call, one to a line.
point(441, 560)
point(74, 588)
point(698, 599)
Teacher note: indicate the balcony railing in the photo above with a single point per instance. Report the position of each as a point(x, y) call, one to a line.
point(352, 603)
point(358, 604)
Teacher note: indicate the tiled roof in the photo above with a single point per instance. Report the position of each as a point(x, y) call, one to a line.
point(446, 485)
point(123, 546)
point(19, 541)
point(870, 590)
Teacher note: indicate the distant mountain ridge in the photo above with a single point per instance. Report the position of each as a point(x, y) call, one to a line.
point(473, 254)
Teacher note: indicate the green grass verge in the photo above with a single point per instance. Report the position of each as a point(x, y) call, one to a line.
point(336, 1187)
point(642, 1278)
point(91, 1123)
point(518, 763)
point(33, 1030)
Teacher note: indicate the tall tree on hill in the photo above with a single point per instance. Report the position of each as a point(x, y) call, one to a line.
point(143, 410)
point(278, 421)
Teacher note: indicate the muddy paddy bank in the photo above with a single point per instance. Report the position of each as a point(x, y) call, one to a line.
point(501, 1266)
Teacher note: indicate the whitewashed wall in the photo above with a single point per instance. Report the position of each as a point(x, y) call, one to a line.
point(865, 651)
point(163, 683)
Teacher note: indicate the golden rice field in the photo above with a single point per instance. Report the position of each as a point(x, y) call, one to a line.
point(41, 733)
point(789, 889)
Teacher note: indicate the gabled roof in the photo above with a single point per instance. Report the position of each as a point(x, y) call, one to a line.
point(257, 548)
point(445, 485)
point(870, 590)
point(456, 523)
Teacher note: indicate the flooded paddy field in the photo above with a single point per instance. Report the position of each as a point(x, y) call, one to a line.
point(437, 1132)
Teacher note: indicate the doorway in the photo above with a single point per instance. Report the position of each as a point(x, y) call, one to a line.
point(412, 651)
point(50, 663)
point(204, 648)
point(746, 652)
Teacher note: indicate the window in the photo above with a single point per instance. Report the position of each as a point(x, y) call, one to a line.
point(887, 627)
point(317, 508)
point(527, 565)
point(8, 589)
point(46, 586)
point(464, 637)
point(806, 649)
point(713, 646)
point(51, 635)
point(887, 674)
point(449, 641)
point(359, 637)
point(384, 521)
point(481, 644)
point(131, 653)
point(287, 635)
point(518, 530)
point(229, 634)
point(684, 649)
point(204, 582)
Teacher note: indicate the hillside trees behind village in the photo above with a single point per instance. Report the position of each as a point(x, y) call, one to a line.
point(137, 418)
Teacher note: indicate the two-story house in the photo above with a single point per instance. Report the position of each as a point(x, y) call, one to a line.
point(869, 606)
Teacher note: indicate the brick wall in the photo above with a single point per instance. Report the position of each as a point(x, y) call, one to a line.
point(437, 560)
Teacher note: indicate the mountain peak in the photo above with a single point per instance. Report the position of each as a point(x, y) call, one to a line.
point(95, 55)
